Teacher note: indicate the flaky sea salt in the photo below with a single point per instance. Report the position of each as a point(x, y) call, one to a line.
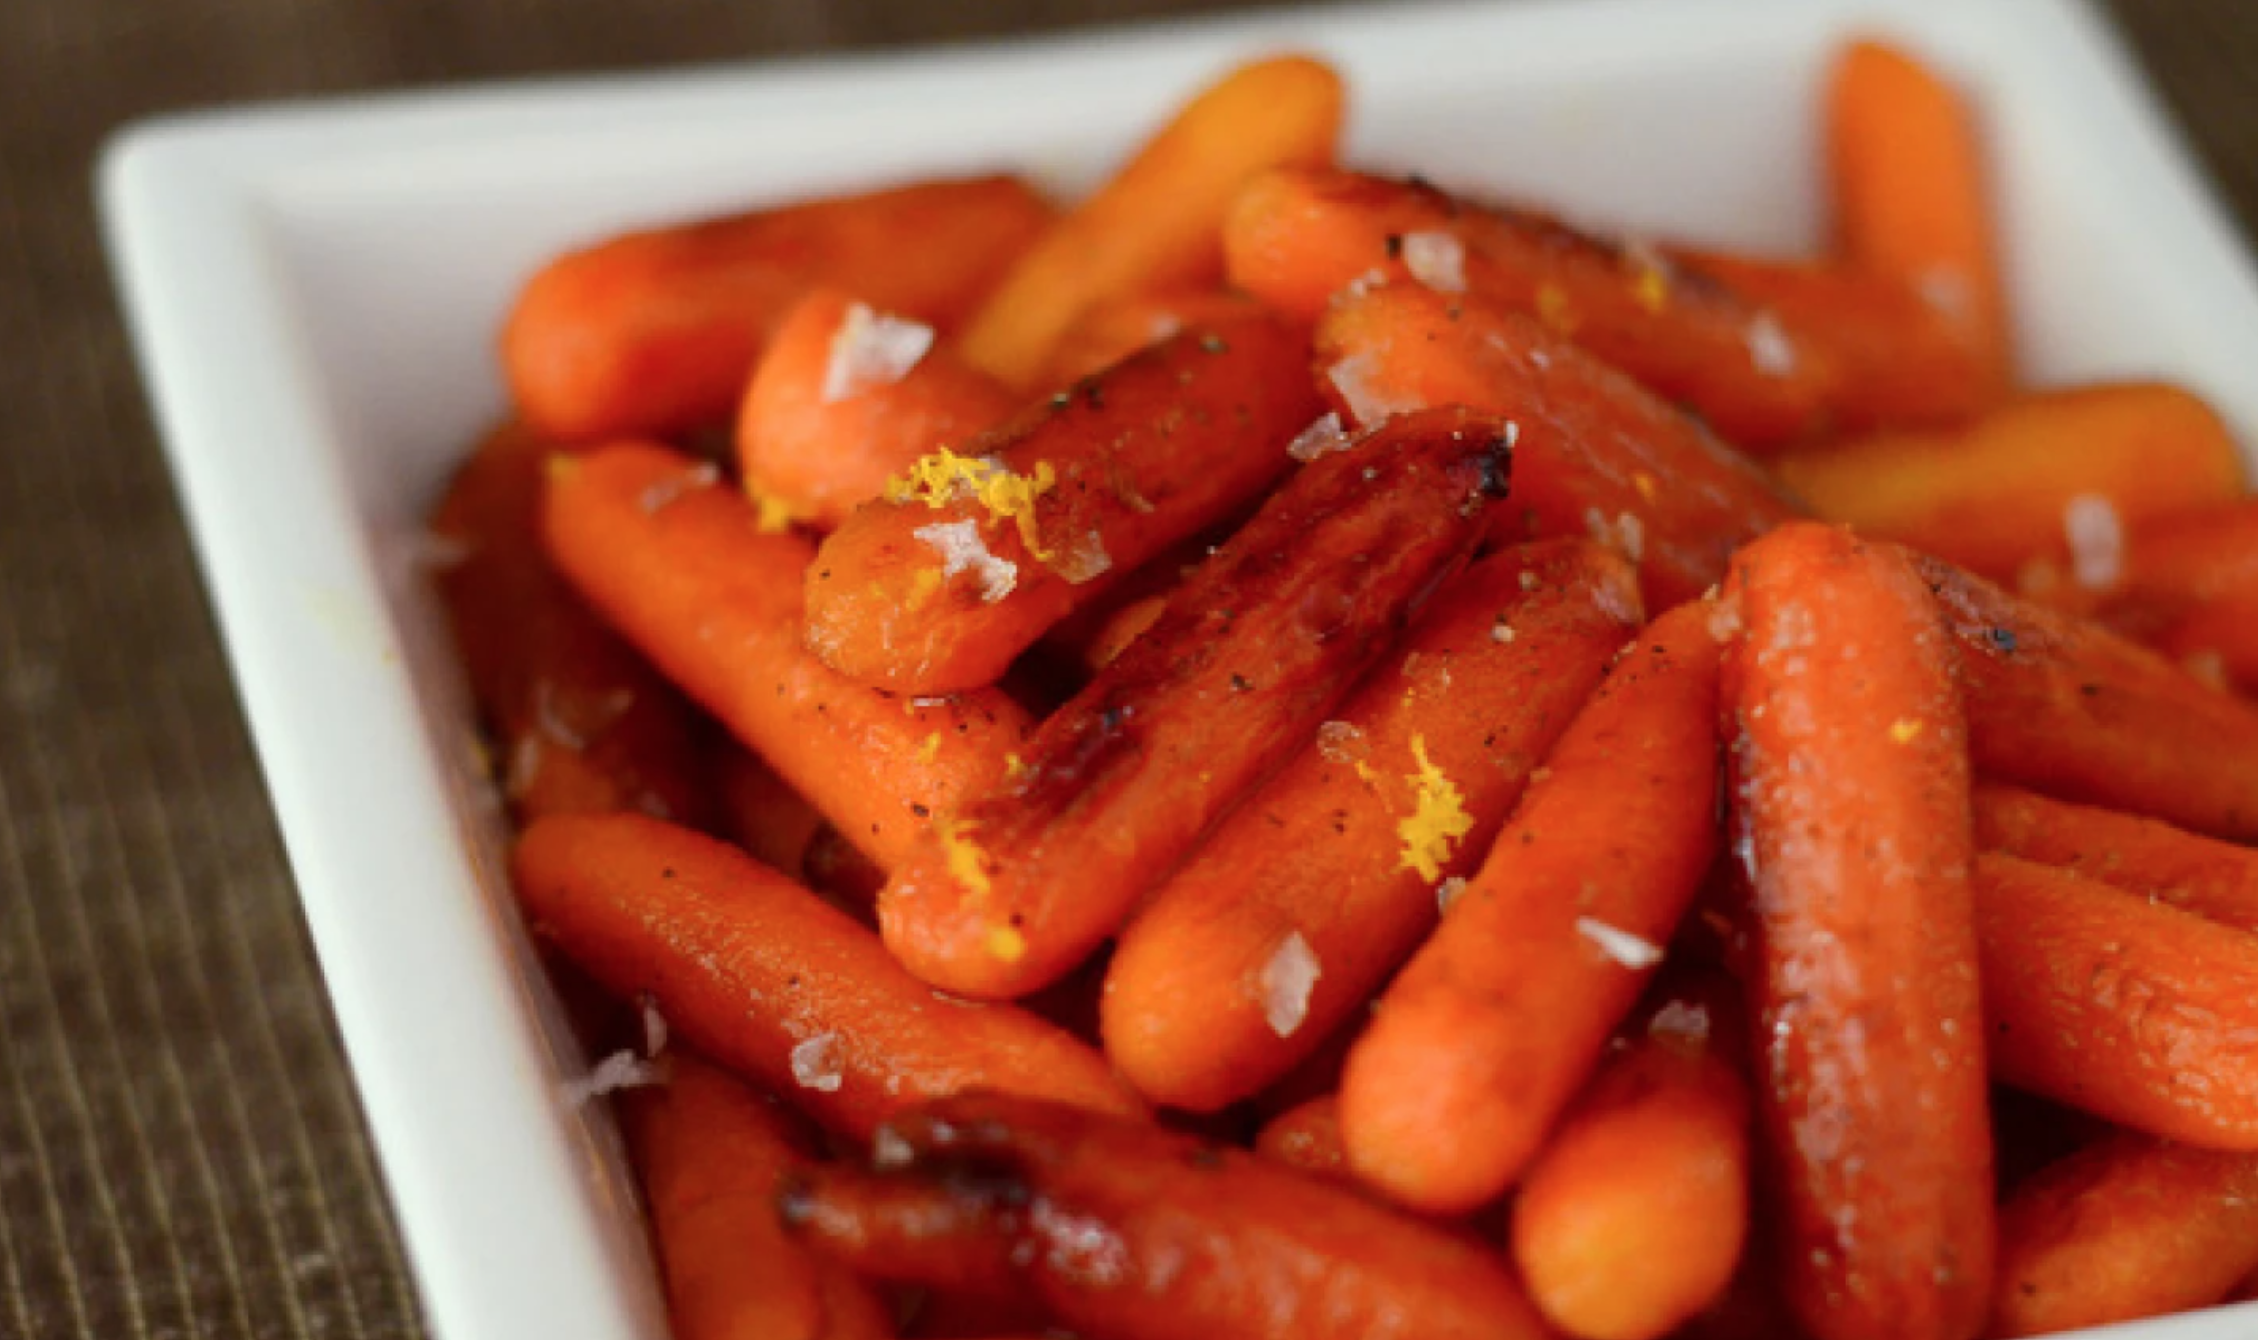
point(1340, 742)
point(1769, 350)
point(1321, 438)
point(1287, 979)
point(620, 1070)
point(872, 349)
point(1352, 377)
point(2096, 534)
point(1625, 534)
point(1625, 948)
point(1448, 893)
point(1437, 260)
point(659, 496)
point(654, 1027)
point(962, 550)
point(888, 1150)
point(1083, 559)
point(815, 1063)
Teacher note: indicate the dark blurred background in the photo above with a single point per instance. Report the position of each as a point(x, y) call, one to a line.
point(180, 1151)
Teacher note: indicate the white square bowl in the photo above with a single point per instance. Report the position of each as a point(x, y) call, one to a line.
point(314, 293)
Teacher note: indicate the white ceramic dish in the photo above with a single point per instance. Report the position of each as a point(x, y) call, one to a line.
point(314, 292)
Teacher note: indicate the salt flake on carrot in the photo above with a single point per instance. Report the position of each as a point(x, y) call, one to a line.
point(944, 477)
point(872, 349)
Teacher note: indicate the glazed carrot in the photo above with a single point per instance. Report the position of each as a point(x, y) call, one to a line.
point(1850, 780)
point(2130, 1227)
point(1768, 353)
point(1154, 224)
point(2128, 1009)
point(760, 811)
point(709, 1153)
point(1307, 1138)
point(1130, 622)
point(1632, 1219)
point(2046, 483)
point(1593, 453)
point(2213, 879)
point(767, 979)
point(2069, 709)
point(1484, 1037)
point(846, 398)
point(2190, 589)
point(678, 564)
point(656, 332)
point(1323, 880)
point(1094, 1211)
point(1115, 327)
point(1254, 648)
point(1910, 196)
point(963, 564)
point(583, 723)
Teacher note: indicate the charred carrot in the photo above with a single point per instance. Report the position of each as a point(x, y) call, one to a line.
point(848, 397)
point(2190, 589)
point(1323, 880)
point(1593, 454)
point(2213, 879)
point(1091, 1209)
point(1632, 1219)
point(968, 559)
point(679, 565)
point(710, 1153)
point(1153, 225)
point(1910, 196)
point(584, 724)
point(1307, 1137)
point(2068, 709)
point(1114, 328)
point(656, 332)
point(2130, 1227)
point(1254, 648)
point(2043, 487)
point(760, 811)
point(1850, 778)
point(1486, 1034)
point(2121, 1007)
point(767, 979)
point(1768, 353)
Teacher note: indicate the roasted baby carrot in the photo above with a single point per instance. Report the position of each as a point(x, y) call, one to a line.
point(1850, 786)
point(1092, 1210)
point(656, 332)
point(1486, 1034)
point(2121, 1007)
point(678, 563)
point(2190, 589)
point(2130, 1227)
point(772, 982)
point(2069, 709)
point(1153, 225)
point(583, 724)
point(1768, 353)
point(2213, 879)
point(1632, 1218)
point(846, 398)
point(1909, 194)
point(1323, 880)
point(1307, 1137)
point(963, 563)
point(1114, 328)
point(1594, 453)
point(760, 811)
point(1017, 885)
point(2043, 487)
point(710, 1153)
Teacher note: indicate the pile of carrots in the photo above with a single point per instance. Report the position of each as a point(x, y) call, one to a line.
point(1290, 753)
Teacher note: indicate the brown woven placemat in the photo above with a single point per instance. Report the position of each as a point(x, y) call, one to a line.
point(180, 1151)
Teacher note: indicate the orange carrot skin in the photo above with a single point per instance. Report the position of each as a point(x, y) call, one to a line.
point(1307, 1138)
point(2069, 709)
point(1151, 451)
point(1768, 353)
point(772, 982)
point(1850, 777)
point(2190, 588)
point(816, 451)
point(1096, 1209)
point(1486, 1034)
point(1632, 1219)
point(709, 1153)
point(655, 332)
point(1993, 496)
point(1153, 226)
point(1594, 452)
point(1317, 852)
point(2213, 879)
point(1252, 651)
point(584, 724)
point(678, 564)
point(1911, 200)
point(2127, 1228)
point(2112, 1004)
point(1113, 329)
